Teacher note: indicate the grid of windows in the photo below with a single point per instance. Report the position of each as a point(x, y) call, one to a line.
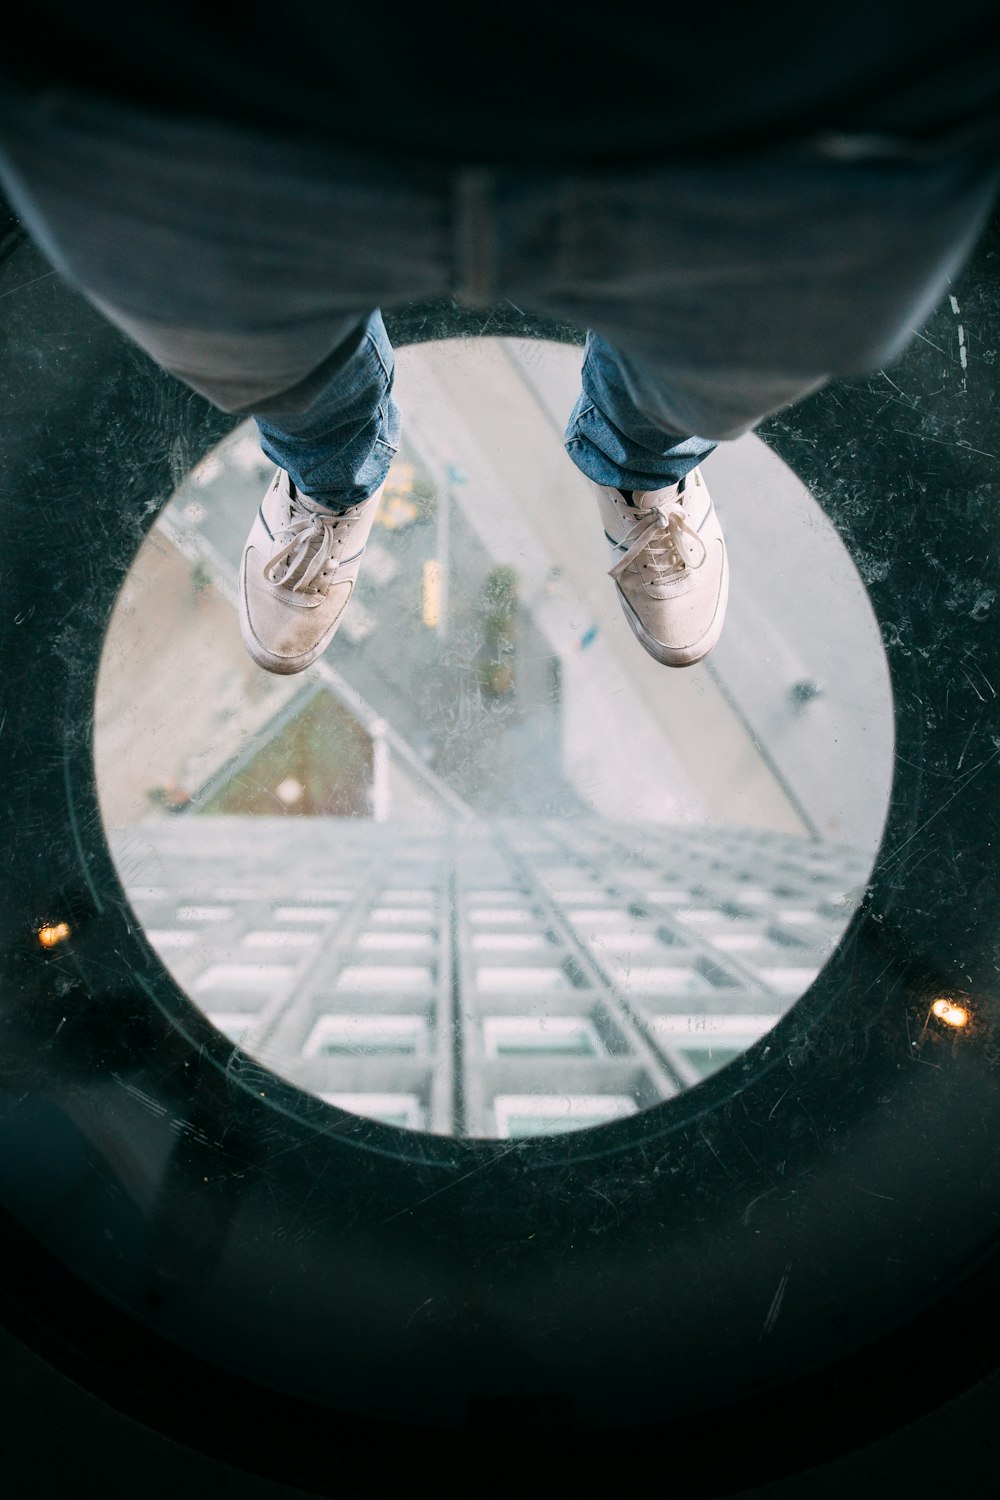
point(514, 980)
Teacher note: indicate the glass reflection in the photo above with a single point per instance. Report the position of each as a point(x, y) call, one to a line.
point(486, 868)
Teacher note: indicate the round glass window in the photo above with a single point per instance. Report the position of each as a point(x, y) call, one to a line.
point(486, 868)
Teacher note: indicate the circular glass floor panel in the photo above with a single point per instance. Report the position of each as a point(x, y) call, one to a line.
point(487, 869)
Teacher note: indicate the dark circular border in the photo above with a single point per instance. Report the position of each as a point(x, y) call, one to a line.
point(809, 1229)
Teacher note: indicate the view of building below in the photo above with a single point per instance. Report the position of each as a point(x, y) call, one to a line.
point(488, 981)
point(486, 869)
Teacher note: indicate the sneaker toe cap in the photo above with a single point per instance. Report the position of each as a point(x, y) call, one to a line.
point(681, 618)
point(286, 630)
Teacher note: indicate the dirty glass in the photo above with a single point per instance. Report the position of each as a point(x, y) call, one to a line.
point(486, 869)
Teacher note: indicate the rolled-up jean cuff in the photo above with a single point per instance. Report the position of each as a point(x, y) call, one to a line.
point(277, 372)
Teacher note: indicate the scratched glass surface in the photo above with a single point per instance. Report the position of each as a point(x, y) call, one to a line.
point(486, 868)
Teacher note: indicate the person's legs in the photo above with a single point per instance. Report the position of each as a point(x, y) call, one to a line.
point(615, 443)
point(239, 265)
point(303, 554)
point(332, 434)
point(333, 427)
point(632, 429)
point(339, 447)
point(717, 295)
point(667, 552)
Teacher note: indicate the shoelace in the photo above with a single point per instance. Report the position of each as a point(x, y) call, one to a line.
point(312, 541)
point(662, 530)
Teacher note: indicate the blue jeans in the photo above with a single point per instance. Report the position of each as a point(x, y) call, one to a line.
point(339, 448)
point(713, 294)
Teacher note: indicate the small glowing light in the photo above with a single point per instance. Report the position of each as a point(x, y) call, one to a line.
point(55, 933)
point(950, 1013)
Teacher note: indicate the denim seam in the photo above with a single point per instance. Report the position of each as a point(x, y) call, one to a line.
point(373, 346)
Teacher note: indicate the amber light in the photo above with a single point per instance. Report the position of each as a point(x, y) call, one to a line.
point(54, 934)
point(950, 1013)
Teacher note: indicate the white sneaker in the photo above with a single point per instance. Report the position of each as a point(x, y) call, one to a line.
point(670, 567)
point(298, 571)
